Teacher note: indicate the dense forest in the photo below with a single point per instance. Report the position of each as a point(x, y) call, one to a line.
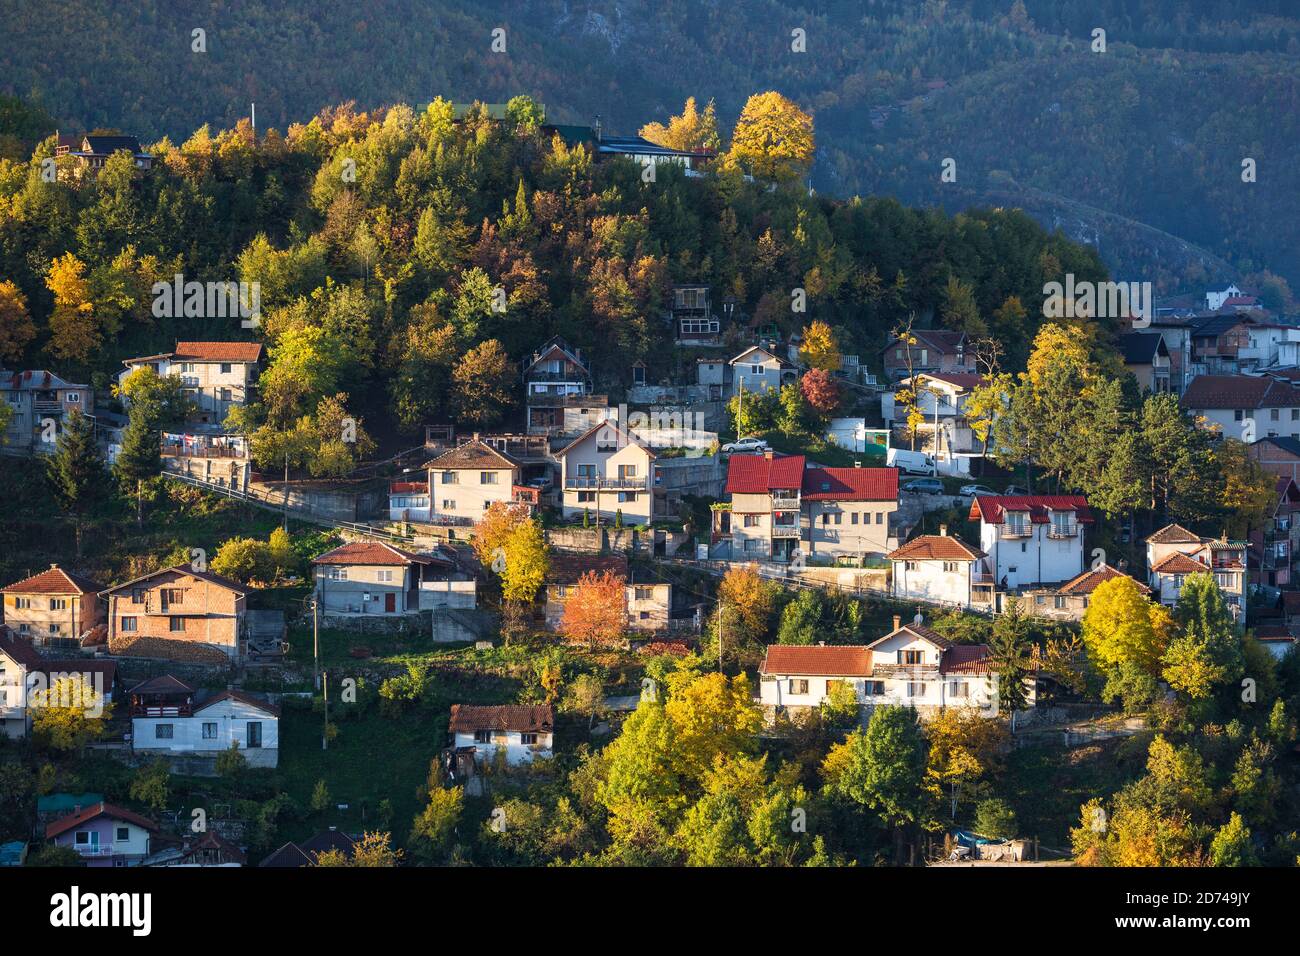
point(378, 240)
point(1133, 149)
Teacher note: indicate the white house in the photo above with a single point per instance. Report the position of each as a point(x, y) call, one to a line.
point(758, 370)
point(465, 481)
point(941, 398)
point(1246, 407)
point(18, 660)
point(217, 376)
point(524, 731)
point(1173, 553)
point(370, 578)
point(941, 569)
point(910, 666)
point(1217, 295)
point(1277, 639)
point(1032, 539)
point(170, 717)
point(606, 471)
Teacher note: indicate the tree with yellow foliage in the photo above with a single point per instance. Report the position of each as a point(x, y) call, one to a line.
point(492, 530)
point(16, 327)
point(1123, 626)
point(1248, 490)
point(527, 560)
point(74, 332)
point(69, 713)
point(820, 348)
point(773, 139)
point(691, 131)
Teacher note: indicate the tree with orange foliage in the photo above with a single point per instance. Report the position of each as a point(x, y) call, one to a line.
point(820, 391)
point(596, 610)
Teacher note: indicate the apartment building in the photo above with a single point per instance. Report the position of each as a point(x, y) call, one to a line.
point(41, 402)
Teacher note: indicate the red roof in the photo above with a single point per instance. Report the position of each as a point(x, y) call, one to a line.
point(64, 824)
point(936, 547)
point(54, 581)
point(966, 659)
point(370, 552)
point(219, 351)
point(850, 484)
point(817, 660)
point(1173, 534)
point(568, 567)
point(1178, 563)
point(992, 508)
point(1087, 582)
point(521, 717)
point(1239, 392)
point(759, 474)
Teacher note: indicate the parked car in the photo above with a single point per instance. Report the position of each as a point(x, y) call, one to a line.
point(745, 445)
point(923, 486)
point(910, 462)
point(541, 484)
point(970, 491)
point(1015, 490)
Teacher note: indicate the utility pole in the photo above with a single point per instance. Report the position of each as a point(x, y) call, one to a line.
point(721, 608)
point(315, 640)
point(324, 733)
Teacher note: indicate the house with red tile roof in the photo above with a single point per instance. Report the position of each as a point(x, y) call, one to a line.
point(522, 732)
point(56, 604)
point(460, 485)
point(942, 569)
point(1174, 553)
point(782, 508)
point(367, 579)
point(911, 666)
point(104, 835)
point(1069, 601)
point(217, 376)
point(1246, 407)
point(24, 671)
point(647, 601)
point(1032, 539)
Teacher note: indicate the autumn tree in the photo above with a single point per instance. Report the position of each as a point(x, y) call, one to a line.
point(492, 530)
point(484, 383)
point(434, 829)
point(16, 327)
point(526, 562)
point(1248, 491)
point(820, 391)
point(690, 131)
point(595, 610)
point(1206, 654)
point(1123, 626)
point(74, 331)
point(746, 604)
point(69, 713)
point(374, 849)
point(773, 139)
point(820, 349)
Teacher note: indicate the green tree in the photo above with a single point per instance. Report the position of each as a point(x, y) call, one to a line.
point(76, 471)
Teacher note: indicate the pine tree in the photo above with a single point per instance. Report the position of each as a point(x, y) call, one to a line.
point(76, 470)
point(140, 458)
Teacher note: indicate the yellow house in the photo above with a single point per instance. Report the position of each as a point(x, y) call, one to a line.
point(53, 605)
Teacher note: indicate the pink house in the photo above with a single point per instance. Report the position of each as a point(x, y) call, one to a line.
point(104, 835)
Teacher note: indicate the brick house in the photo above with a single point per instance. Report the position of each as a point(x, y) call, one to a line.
point(178, 614)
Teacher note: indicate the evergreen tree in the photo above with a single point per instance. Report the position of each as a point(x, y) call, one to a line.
point(76, 470)
point(140, 459)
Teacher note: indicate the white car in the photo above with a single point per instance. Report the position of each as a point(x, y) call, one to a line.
point(970, 491)
point(743, 445)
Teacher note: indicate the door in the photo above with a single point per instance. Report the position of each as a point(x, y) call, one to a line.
point(254, 734)
point(390, 603)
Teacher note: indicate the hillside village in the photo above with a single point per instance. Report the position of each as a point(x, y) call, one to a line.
point(369, 593)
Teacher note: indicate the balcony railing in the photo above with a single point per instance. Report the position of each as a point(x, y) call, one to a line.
point(167, 710)
point(47, 408)
point(906, 671)
point(606, 484)
point(785, 504)
point(1063, 530)
point(786, 531)
point(1017, 530)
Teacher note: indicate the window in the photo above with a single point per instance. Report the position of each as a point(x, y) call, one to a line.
point(752, 544)
point(137, 595)
point(528, 738)
point(82, 838)
point(176, 624)
point(482, 736)
point(335, 573)
point(627, 471)
point(128, 625)
point(959, 689)
point(644, 594)
point(854, 518)
point(56, 628)
point(22, 602)
point(225, 368)
point(448, 504)
point(123, 834)
point(209, 731)
point(915, 689)
point(1059, 602)
point(254, 734)
point(750, 521)
point(912, 658)
point(880, 517)
point(756, 370)
point(385, 576)
point(644, 616)
point(487, 477)
point(1273, 414)
point(23, 628)
point(163, 731)
point(951, 567)
point(58, 604)
point(874, 688)
point(449, 478)
point(1238, 415)
point(223, 394)
point(73, 398)
point(798, 686)
point(909, 565)
point(585, 497)
point(173, 596)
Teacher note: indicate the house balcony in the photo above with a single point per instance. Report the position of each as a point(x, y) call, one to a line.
point(576, 377)
point(1063, 531)
point(1017, 531)
point(161, 710)
point(906, 671)
point(525, 495)
point(786, 531)
point(982, 579)
point(44, 407)
point(785, 504)
point(606, 484)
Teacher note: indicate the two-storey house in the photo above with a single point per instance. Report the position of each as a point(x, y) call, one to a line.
point(18, 662)
point(1146, 356)
point(1069, 601)
point(607, 472)
point(1174, 553)
point(41, 403)
point(935, 350)
point(1245, 407)
point(104, 835)
point(93, 150)
point(523, 732)
point(941, 398)
point(1032, 539)
point(648, 602)
point(369, 578)
point(465, 481)
point(941, 569)
point(55, 605)
point(178, 614)
point(216, 376)
point(758, 370)
point(693, 319)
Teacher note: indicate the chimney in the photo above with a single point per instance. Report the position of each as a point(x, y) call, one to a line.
point(856, 463)
point(943, 531)
point(769, 454)
point(475, 436)
point(898, 621)
point(54, 566)
point(918, 619)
